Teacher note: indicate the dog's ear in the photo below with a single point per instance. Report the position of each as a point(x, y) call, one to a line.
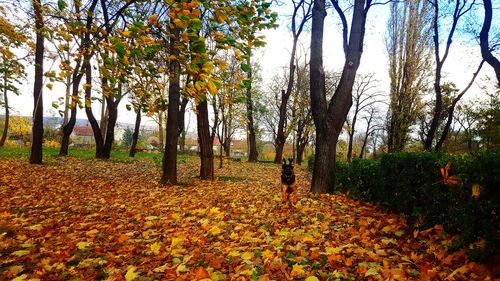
point(284, 161)
point(291, 161)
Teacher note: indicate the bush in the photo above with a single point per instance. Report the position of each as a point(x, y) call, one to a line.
point(412, 184)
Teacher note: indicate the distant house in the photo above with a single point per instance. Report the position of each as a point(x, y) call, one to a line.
point(82, 136)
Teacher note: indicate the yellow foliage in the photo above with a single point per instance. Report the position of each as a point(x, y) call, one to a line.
point(51, 144)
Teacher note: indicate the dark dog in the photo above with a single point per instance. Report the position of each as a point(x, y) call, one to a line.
point(288, 187)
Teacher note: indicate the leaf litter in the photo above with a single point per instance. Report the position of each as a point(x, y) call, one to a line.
point(101, 220)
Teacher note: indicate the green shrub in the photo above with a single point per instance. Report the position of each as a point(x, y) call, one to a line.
point(412, 184)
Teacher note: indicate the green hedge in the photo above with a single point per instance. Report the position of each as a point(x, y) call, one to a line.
point(411, 183)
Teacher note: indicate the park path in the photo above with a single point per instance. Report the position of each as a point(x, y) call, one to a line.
point(109, 220)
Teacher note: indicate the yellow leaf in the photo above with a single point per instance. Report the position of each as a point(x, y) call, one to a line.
point(20, 278)
point(15, 270)
point(214, 210)
point(177, 241)
point(247, 255)
point(215, 230)
point(180, 23)
point(21, 253)
point(50, 85)
point(131, 274)
point(297, 270)
point(311, 278)
point(211, 88)
point(83, 245)
point(155, 248)
point(181, 268)
point(92, 232)
point(234, 236)
point(371, 272)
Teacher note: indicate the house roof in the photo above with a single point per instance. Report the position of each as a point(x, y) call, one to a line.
point(85, 131)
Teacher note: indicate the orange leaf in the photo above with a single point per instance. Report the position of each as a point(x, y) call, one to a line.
point(201, 273)
point(122, 238)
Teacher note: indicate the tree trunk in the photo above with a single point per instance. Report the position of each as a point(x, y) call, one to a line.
point(103, 123)
point(67, 101)
point(205, 141)
point(330, 118)
point(484, 40)
point(351, 137)
point(110, 130)
point(182, 126)
point(37, 130)
point(280, 135)
point(451, 109)
point(252, 142)
point(135, 136)
point(68, 128)
point(169, 175)
point(161, 136)
point(6, 123)
point(99, 140)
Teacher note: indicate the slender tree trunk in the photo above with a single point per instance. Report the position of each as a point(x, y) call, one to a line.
point(280, 136)
point(160, 129)
point(253, 154)
point(99, 140)
point(484, 40)
point(37, 131)
point(110, 130)
point(351, 137)
point(169, 175)
point(205, 141)
point(182, 126)
point(68, 128)
point(6, 122)
point(67, 101)
point(135, 136)
point(451, 109)
point(103, 123)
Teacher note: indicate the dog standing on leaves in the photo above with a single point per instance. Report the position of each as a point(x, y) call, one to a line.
point(288, 187)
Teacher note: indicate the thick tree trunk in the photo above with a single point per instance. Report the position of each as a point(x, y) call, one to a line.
point(253, 154)
point(484, 40)
point(323, 168)
point(205, 141)
point(6, 122)
point(135, 136)
point(37, 130)
point(169, 175)
point(330, 118)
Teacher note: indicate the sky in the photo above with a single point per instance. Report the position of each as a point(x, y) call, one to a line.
point(463, 59)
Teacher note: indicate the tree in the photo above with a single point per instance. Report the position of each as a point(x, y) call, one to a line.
point(329, 117)
point(11, 66)
point(37, 131)
point(486, 49)
point(408, 47)
point(128, 137)
point(169, 175)
point(371, 127)
point(82, 53)
point(364, 98)
point(304, 8)
point(461, 8)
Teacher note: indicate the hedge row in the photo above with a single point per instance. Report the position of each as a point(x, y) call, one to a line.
point(412, 184)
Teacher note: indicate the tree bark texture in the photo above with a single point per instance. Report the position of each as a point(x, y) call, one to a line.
point(329, 118)
point(169, 175)
point(37, 130)
point(253, 154)
point(484, 40)
point(205, 141)
point(135, 136)
point(6, 122)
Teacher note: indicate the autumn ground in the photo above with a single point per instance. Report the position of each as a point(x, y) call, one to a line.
point(87, 219)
